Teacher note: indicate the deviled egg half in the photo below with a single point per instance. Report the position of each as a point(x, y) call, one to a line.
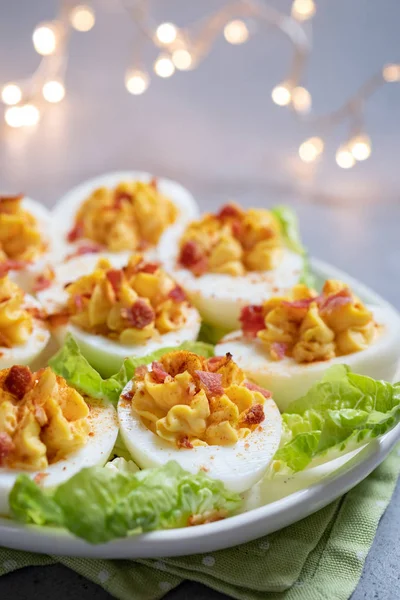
point(203, 414)
point(48, 430)
point(287, 343)
point(227, 260)
point(116, 308)
point(122, 212)
point(23, 331)
point(28, 241)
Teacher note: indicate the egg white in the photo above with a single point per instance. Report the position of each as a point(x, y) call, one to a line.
point(289, 380)
point(239, 466)
point(67, 207)
point(104, 426)
point(220, 297)
point(104, 354)
point(26, 277)
point(33, 348)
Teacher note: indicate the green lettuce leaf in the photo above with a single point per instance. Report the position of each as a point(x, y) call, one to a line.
point(211, 334)
point(100, 504)
point(70, 363)
point(289, 227)
point(338, 414)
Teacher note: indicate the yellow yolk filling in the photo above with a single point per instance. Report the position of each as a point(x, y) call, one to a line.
point(42, 419)
point(233, 242)
point(132, 304)
point(129, 217)
point(186, 412)
point(16, 323)
point(335, 323)
point(20, 238)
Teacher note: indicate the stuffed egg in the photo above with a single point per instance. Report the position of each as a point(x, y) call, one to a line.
point(228, 260)
point(48, 430)
point(23, 330)
point(203, 414)
point(28, 241)
point(287, 342)
point(116, 308)
point(122, 212)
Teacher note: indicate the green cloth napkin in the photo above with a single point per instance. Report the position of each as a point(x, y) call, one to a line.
point(300, 562)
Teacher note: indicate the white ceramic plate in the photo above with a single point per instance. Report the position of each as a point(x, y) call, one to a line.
point(310, 491)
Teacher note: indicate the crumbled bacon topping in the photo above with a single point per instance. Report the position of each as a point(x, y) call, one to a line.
point(211, 382)
point(192, 257)
point(177, 294)
point(120, 196)
point(184, 442)
point(58, 319)
point(229, 210)
point(254, 415)
point(159, 373)
point(304, 303)
point(278, 350)
point(44, 280)
point(89, 248)
point(11, 265)
point(139, 315)
point(76, 232)
point(257, 388)
point(6, 447)
point(252, 319)
point(128, 395)
point(18, 380)
point(114, 276)
point(148, 267)
point(334, 301)
point(141, 371)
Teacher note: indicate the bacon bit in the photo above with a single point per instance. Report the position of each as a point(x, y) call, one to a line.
point(35, 312)
point(229, 210)
point(40, 415)
point(184, 442)
point(58, 319)
point(278, 350)
point(254, 415)
point(237, 228)
point(154, 182)
point(39, 478)
point(257, 388)
point(139, 314)
point(128, 395)
point(141, 371)
point(192, 257)
point(148, 268)
point(78, 301)
point(143, 245)
point(114, 276)
point(158, 371)
point(252, 319)
point(18, 380)
point(204, 468)
point(76, 232)
point(84, 249)
point(177, 294)
point(6, 447)
point(43, 281)
point(300, 304)
point(335, 301)
point(12, 265)
point(119, 197)
point(212, 382)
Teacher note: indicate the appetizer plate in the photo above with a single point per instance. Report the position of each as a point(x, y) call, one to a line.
point(287, 501)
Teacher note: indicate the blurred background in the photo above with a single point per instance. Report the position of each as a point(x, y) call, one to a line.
point(215, 128)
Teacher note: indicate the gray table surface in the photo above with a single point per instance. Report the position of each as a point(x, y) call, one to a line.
point(216, 131)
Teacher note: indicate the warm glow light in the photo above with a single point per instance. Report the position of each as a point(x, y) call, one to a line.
point(236, 32)
point(311, 149)
point(82, 17)
point(136, 82)
point(182, 59)
point(360, 147)
point(164, 67)
point(19, 116)
point(391, 73)
point(11, 93)
point(344, 158)
point(13, 116)
point(53, 91)
point(166, 33)
point(301, 100)
point(303, 9)
point(45, 38)
point(281, 95)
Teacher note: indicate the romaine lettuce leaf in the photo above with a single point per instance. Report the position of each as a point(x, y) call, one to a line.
point(99, 504)
point(70, 363)
point(338, 414)
point(211, 334)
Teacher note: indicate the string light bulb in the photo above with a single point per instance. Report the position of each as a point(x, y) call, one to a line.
point(164, 67)
point(136, 81)
point(11, 94)
point(166, 33)
point(53, 91)
point(301, 100)
point(236, 32)
point(45, 38)
point(13, 116)
point(281, 94)
point(302, 10)
point(182, 59)
point(360, 147)
point(82, 17)
point(391, 73)
point(345, 158)
point(311, 149)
